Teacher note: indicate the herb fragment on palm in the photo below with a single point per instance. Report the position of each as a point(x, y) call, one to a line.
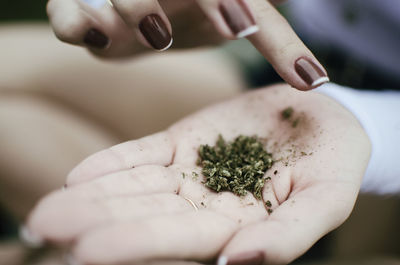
point(287, 113)
point(238, 166)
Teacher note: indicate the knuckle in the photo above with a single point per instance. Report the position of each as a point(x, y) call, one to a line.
point(51, 5)
point(71, 28)
point(128, 7)
point(287, 48)
point(132, 11)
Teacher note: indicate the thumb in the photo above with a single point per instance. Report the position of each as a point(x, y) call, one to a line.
point(291, 229)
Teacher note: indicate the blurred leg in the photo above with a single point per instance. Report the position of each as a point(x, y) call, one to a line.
point(40, 142)
point(135, 97)
point(11, 254)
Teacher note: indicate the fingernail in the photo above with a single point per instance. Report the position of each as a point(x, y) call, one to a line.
point(30, 239)
point(248, 258)
point(310, 72)
point(96, 39)
point(156, 32)
point(238, 17)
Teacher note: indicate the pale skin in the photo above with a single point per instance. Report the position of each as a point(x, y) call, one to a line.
point(192, 23)
point(131, 203)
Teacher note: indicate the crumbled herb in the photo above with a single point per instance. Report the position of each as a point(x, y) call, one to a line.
point(194, 175)
point(275, 172)
point(268, 203)
point(269, 211)
point(287, 113)
point(295, 122)
point(238, 166)
point(183, 175)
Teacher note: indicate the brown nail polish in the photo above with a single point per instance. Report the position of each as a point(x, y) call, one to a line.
point(310, 72)
point(96, 39)
point(249, 258)
point(238, 17)
point(156, 32)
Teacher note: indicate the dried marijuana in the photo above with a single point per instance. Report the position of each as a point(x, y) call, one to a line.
point(238, 166)
point(287, 113)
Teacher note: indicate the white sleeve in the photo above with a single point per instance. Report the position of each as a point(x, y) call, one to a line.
point(379, 114)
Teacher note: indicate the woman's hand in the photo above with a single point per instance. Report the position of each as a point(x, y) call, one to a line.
point(127, 26)
point(144, 200)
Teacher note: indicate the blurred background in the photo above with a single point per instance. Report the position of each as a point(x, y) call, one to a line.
point(17, 12)
point(23, 10)
point(48, 113)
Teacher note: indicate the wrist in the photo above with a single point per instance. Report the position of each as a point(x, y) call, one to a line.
point(378, 114)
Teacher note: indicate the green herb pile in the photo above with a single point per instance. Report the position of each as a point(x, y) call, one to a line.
point(238, 166)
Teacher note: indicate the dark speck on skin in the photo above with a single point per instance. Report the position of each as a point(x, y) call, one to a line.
point(287, 113)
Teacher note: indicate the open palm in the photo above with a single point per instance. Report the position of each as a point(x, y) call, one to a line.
point(142, 201)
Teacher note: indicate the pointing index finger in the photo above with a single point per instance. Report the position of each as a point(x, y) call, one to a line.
point(280, 45)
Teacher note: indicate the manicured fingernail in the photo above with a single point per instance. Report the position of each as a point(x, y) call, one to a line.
point(310, 72)
point(96, 39)
point(156, 32)
point(249, 258)
point(30, 239)
point(238, 17)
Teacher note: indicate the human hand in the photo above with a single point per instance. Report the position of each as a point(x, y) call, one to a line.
point(125, 28)
point(132, 202)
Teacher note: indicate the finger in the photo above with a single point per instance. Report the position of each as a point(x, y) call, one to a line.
point(144, 180)
point(156, 149)
point(61, 217)
point(138, 181)
point(292, 228)
point(195, 236)
point(147, 20)
point(280, 45)
point(76, 23)
point(232, 18)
